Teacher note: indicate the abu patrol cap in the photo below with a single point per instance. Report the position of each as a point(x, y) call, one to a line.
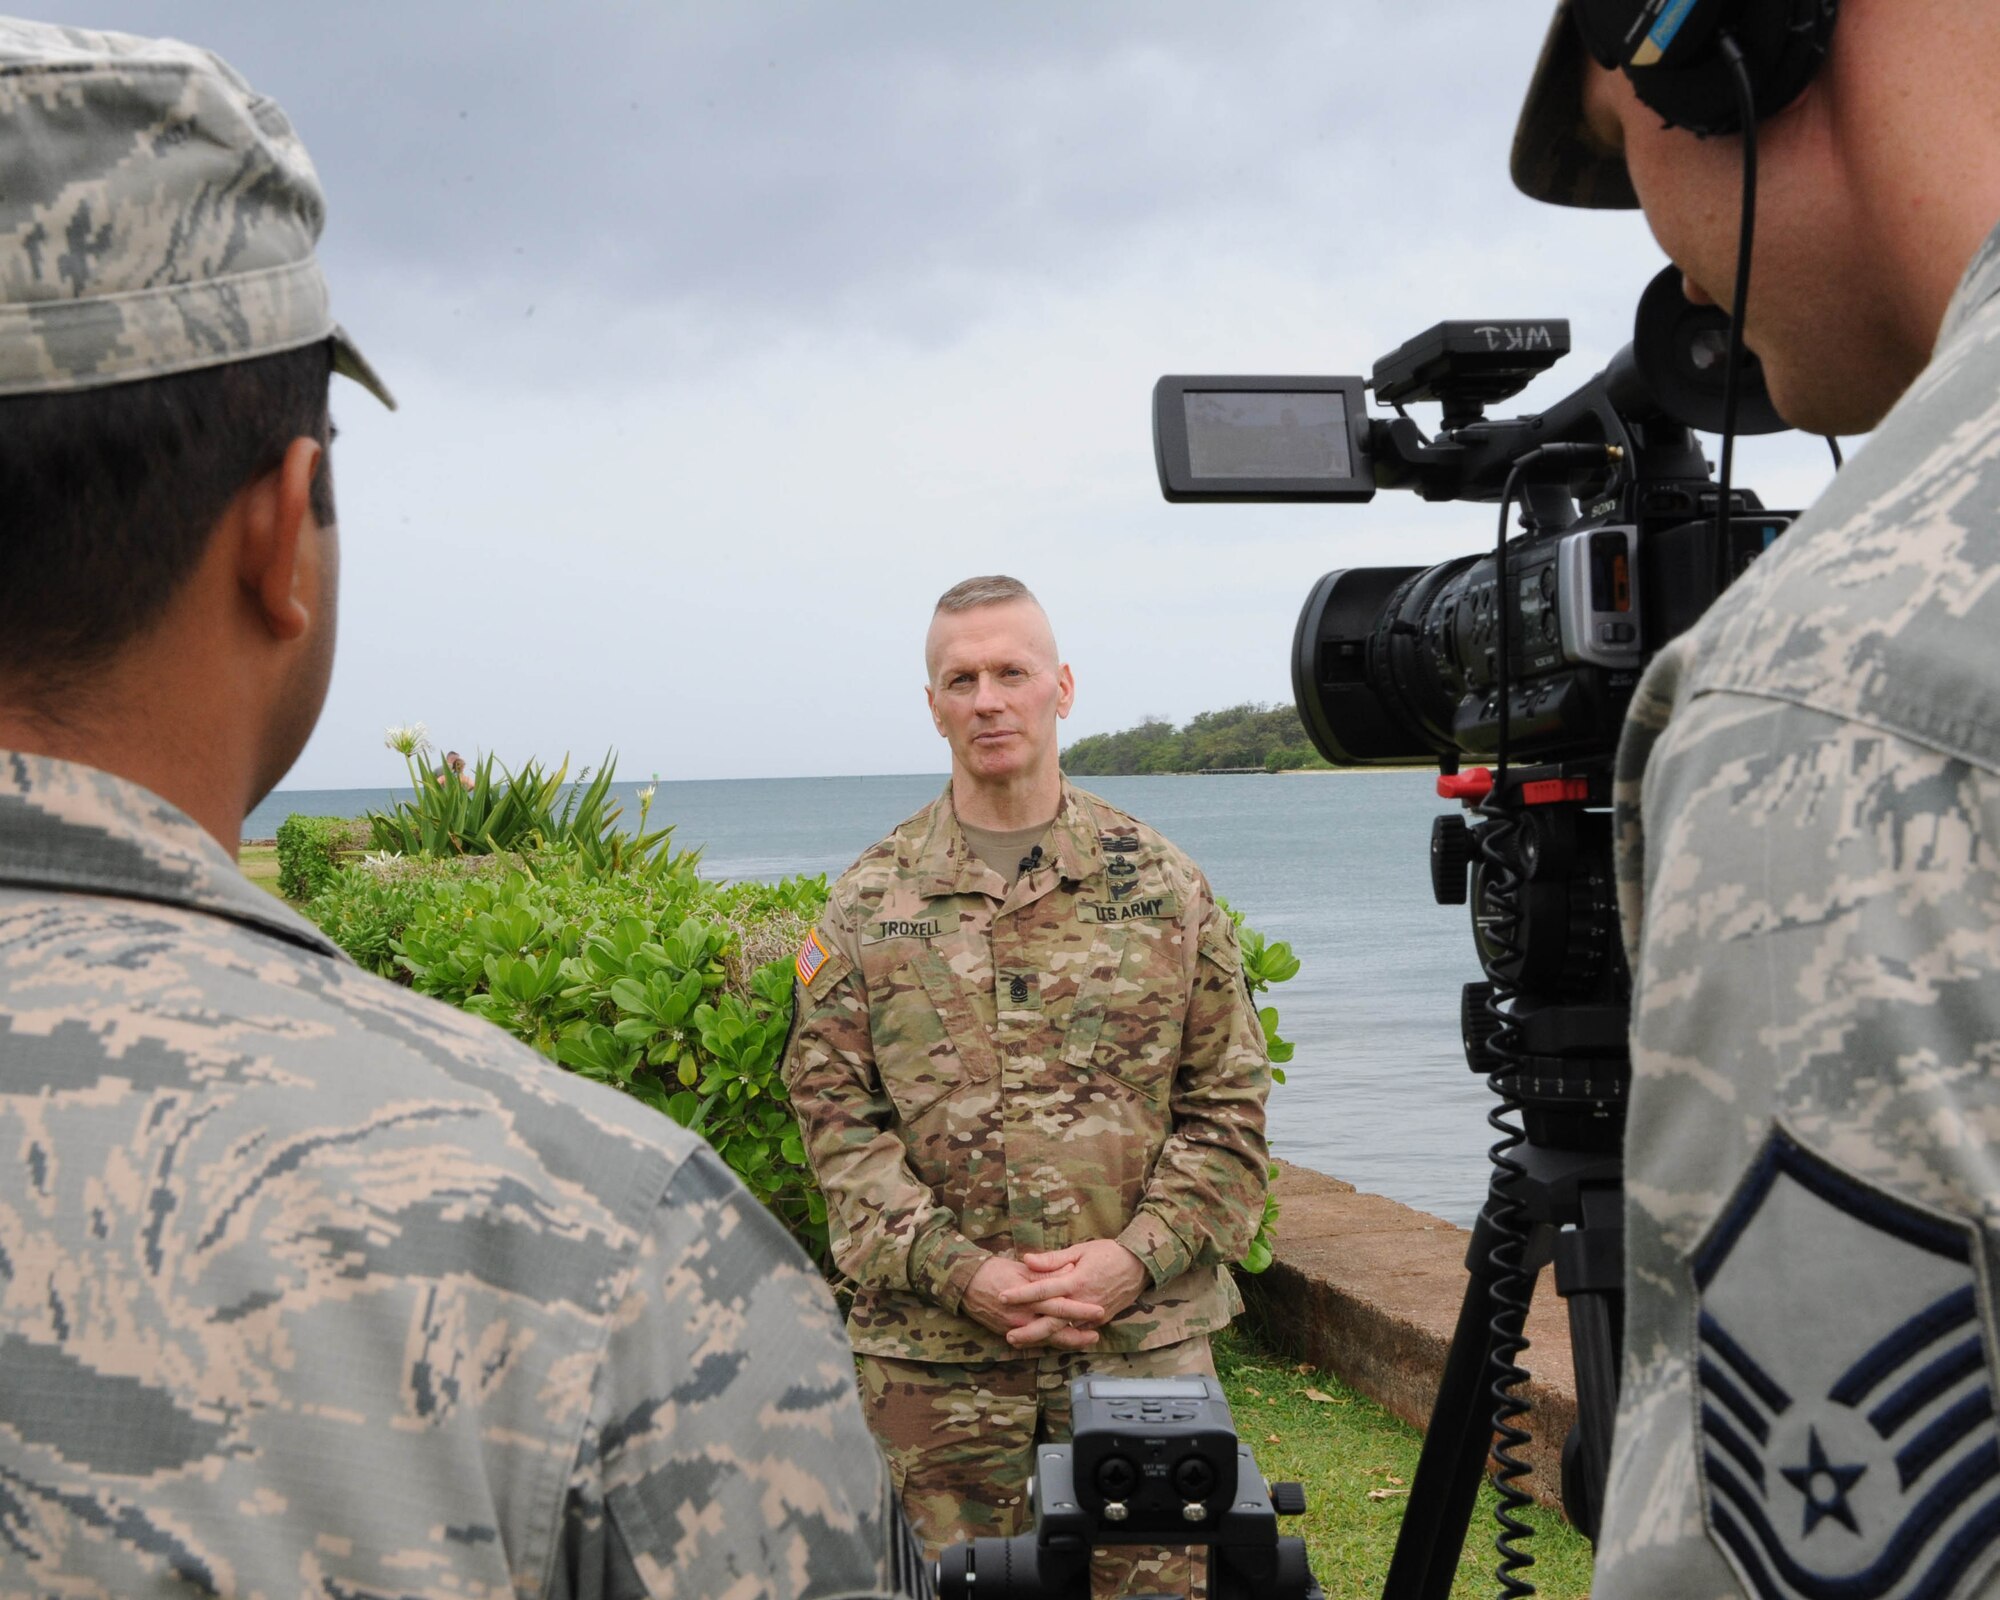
point(1701, 65)
point(157, 215)
point(1556, 157)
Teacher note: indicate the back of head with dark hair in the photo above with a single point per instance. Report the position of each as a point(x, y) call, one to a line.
point(108, 498)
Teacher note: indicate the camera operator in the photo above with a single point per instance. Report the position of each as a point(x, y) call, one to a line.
point(306, 1284)
point(1809, 818)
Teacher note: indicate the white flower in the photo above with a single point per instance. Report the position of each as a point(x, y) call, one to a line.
point(415, 740)
point(646, 794)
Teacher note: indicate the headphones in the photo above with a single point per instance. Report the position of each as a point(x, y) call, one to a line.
point(1671, 50)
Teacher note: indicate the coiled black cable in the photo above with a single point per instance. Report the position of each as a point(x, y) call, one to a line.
point(1499, 914)
point(1511, 1285)
point(1500, 919)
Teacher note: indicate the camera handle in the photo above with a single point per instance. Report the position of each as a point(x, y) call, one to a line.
point(1558, 1190)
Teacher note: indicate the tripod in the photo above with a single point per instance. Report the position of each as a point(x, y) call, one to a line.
point(1561, 1190)
point(1548, 1027)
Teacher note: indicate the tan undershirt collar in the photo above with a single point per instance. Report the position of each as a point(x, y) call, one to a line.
point(1004, 852)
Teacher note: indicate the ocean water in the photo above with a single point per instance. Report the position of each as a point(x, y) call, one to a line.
point(1336, 865)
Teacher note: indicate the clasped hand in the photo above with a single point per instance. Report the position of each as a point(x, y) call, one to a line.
point(1055, 1298)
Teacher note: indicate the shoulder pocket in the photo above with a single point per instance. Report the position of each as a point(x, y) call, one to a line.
point(1219, 943)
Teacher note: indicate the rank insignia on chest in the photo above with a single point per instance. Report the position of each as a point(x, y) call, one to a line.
point(812, 956)
point(1845, 1398)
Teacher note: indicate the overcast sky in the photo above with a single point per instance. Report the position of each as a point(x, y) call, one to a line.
point(728, 335)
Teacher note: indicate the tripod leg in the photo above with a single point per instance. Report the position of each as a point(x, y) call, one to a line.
point(1456, 1442)
point(1590, 1277)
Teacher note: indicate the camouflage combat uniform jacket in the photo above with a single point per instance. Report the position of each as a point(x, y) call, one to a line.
point(1809, 797)
point(308, 1284)
point(981, 1071)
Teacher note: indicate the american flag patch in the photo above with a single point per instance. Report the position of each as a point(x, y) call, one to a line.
point(812, 956)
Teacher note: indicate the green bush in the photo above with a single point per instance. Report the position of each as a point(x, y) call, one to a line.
point(490, 811)
point(1265, 964)
point(311, 850)
point(671, 989)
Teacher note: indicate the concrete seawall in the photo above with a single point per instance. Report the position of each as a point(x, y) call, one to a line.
point(1369, 1290)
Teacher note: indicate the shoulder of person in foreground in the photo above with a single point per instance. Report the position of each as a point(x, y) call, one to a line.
point(658, 1389)
point(724, 1451)
point(1878, 605)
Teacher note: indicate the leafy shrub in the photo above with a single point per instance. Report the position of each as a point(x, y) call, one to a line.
point(312, 849)
point(489, 810)
point(1265, 964)
point(673, 990)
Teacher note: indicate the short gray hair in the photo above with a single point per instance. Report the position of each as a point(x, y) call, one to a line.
point(992, 590)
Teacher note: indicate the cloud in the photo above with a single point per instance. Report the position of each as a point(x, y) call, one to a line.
point(729, 336)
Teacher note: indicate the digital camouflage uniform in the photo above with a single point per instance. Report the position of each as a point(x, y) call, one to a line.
point(310, 1284)
point(984, 1070)
point(1809, 821)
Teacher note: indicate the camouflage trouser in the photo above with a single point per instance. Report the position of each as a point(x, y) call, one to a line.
point(961, 1446)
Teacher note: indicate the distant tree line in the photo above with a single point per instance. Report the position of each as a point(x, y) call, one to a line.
point(1267, 737)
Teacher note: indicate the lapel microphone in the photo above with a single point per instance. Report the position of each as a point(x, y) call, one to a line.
point(1031, 860)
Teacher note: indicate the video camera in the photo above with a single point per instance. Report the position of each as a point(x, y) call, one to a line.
point(1526, 656)
point(1393, 665)
point(1152, 1461)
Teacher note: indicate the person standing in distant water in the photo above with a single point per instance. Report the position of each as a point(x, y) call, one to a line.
point(1032, 1085)
point(307, 1284)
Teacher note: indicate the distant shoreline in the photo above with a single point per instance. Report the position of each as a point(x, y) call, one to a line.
point(1240, 772)
point(1331, 772)
point(358, 798)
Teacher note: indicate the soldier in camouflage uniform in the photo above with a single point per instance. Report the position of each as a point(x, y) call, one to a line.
point(307, 1285)
point(1032, 1084)
point(1808, 800)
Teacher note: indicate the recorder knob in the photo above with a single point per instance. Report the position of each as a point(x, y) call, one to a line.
point(1476, 1027)
point(1451, 857)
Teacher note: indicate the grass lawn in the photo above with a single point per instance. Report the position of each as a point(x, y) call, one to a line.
point(1356, 1462)
point(260, 866)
